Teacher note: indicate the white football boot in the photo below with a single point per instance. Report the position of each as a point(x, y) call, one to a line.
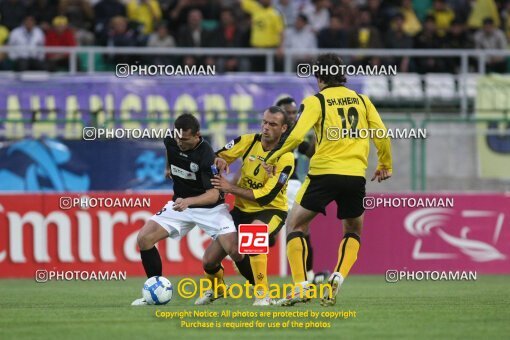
point(262, 301)
point(139, 302)
point(298, 294)
point(310, 275)
point(209, 297)
point(329, 297)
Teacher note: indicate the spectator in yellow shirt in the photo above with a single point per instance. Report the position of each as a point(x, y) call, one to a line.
point(266, 30)
point(443, 15)
point(4, 35)
point(412, 25)
point(266, 23)
point(146, 12)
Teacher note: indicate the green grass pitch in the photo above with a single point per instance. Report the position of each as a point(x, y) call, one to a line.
point(404, 310)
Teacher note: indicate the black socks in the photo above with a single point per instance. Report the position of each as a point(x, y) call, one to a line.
point(151, 262)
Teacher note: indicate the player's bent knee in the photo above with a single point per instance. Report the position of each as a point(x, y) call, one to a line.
point(149, 235)
point(143, 241)
point(353, 225)
point(293, 228)
point(208, 264)
point(209, 261)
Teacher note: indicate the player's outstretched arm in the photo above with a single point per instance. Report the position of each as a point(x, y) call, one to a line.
point(274, 184)
point(383, 145)
point(211, 196)
point(381, 175)
point(222, 184)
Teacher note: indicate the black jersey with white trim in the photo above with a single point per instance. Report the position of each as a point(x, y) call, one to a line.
point(191, 170)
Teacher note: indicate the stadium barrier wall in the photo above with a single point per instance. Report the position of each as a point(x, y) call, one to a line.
point(37, 234)
point(63, 106)
point(474, 234)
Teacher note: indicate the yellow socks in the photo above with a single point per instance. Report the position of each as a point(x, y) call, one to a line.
point(216, 277)
point(297, 252)
point(259, 268)
point(347, 253)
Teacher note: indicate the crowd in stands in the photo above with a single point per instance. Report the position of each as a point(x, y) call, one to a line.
point(303, 25)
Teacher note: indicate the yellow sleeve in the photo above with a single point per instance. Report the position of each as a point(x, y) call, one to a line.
point(156, 9)
point(4, 34)
point(383, 145)
point(309, 113)
point(132, 7)
point(236, 147)
point(284, 167)
point(250, 6)
point(279, 23)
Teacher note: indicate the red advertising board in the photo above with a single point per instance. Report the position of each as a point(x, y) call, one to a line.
point(473, 234)
point(405, 233)
point(36, 233)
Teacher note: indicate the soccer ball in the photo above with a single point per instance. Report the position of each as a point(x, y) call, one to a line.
point(157, 290)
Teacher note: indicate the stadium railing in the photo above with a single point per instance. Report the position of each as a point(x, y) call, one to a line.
point(290, 55)
point(411, 88)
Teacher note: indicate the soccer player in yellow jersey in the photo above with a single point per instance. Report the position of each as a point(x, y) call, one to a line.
point(259, 198)
point(337, 171)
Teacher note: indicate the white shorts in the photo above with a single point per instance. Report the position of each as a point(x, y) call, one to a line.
point(292, 190)
point(214, 221)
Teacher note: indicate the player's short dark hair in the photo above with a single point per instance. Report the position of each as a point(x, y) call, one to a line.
point(277, 109)
point(285, 101)
point(186, 122)
point(303, 17)
point(326, 61)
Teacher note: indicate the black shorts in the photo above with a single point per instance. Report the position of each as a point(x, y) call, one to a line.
point(275, 219)
point(347, 191)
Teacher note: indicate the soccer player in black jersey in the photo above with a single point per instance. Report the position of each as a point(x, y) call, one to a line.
point(195, 203)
